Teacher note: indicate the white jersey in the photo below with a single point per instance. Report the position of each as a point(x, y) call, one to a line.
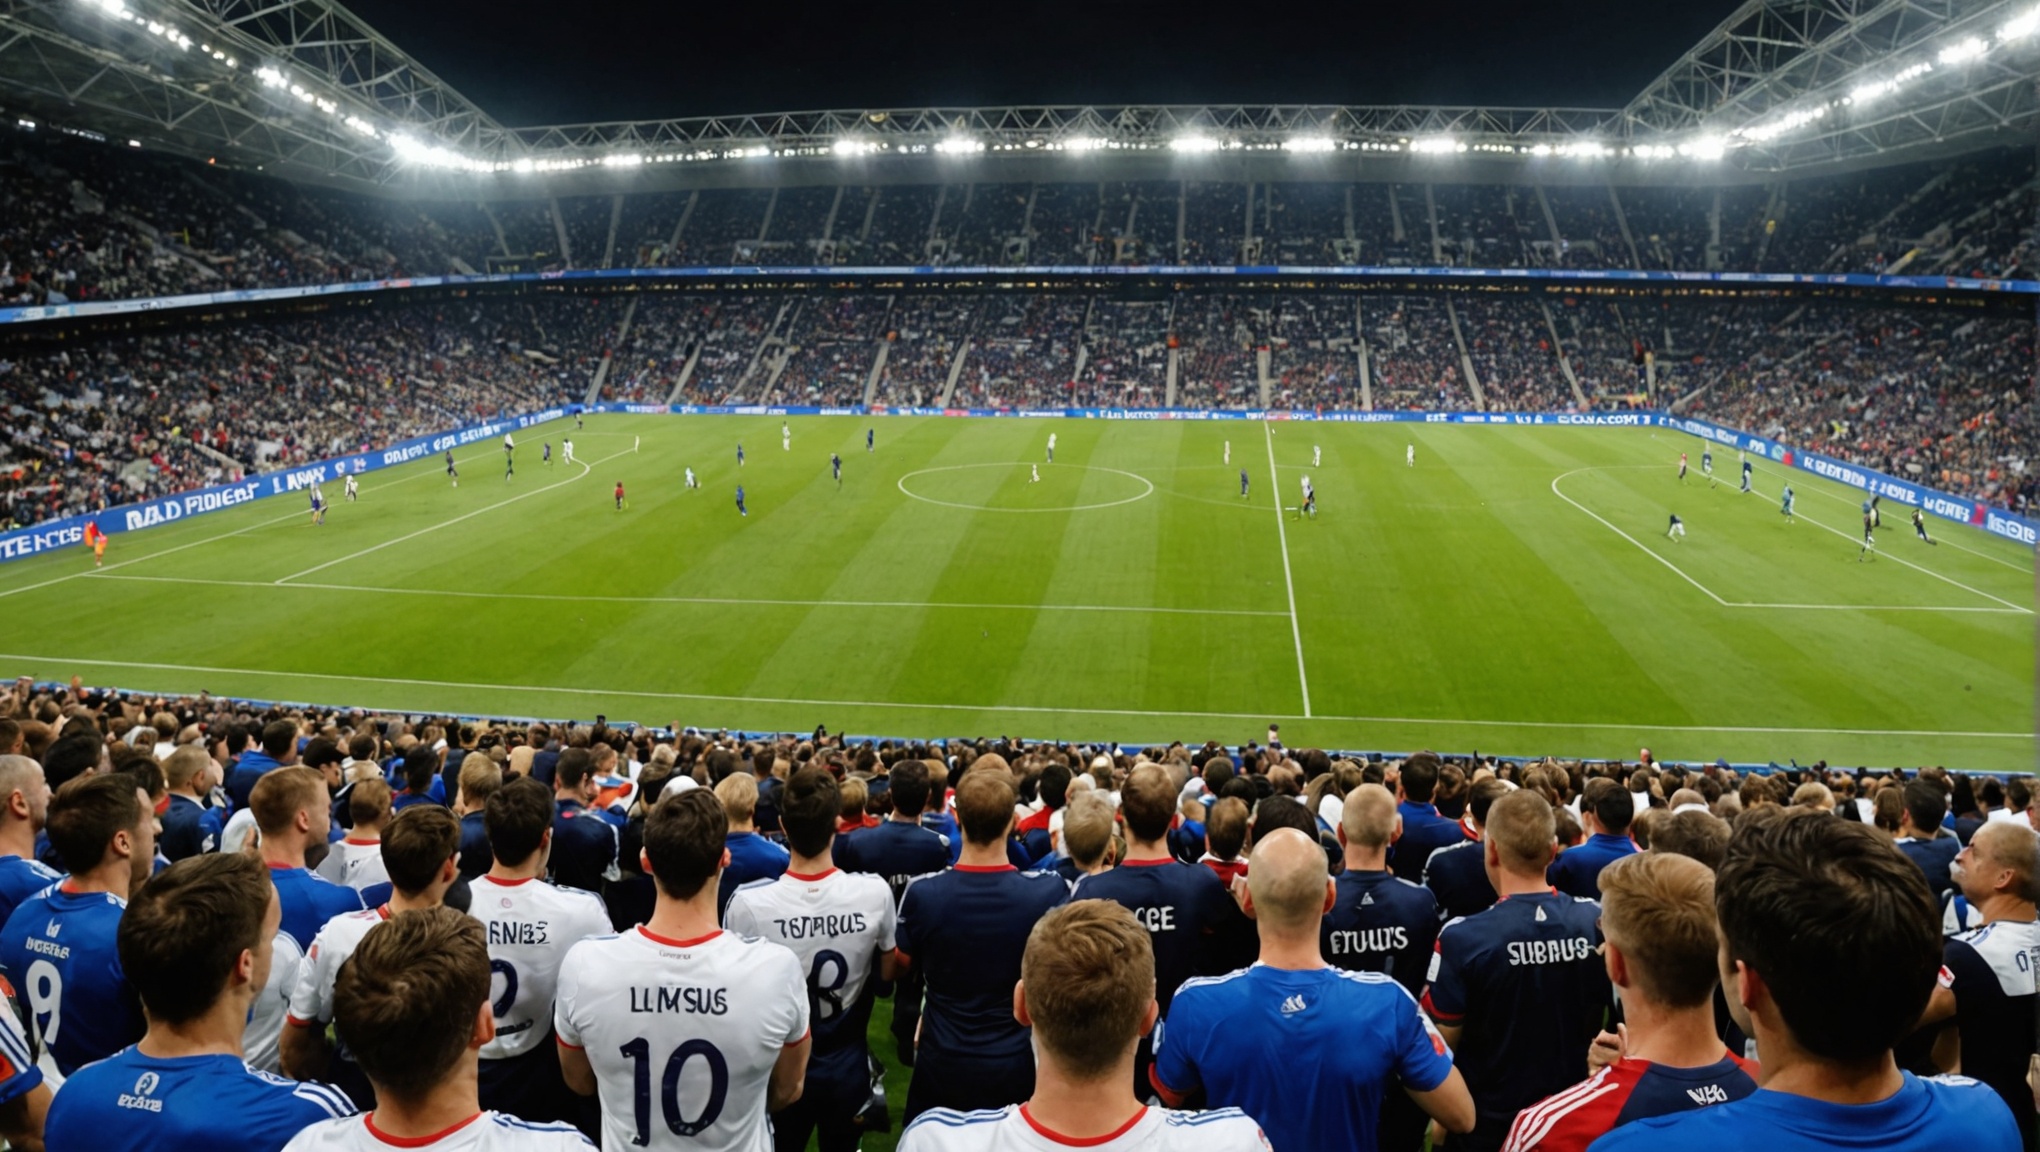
point(311, 999)
point(1013, 1129)
point(837, 923)
point(482, 1132)
point(530, 924)
point(351, 485)
point(701, 1023)
point(265, 1017)
point(508, 443)
point(358, 864)
point(1051, 441)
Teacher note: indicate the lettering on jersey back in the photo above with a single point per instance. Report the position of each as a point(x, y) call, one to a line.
point(1708, 1094)
point(518, 932)
point(808, 927)
point(684, 999)
point(1566, 951)
point(1160, 918)
point(1360, 941)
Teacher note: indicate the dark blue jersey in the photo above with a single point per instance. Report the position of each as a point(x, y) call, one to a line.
point(1933, 856)
point(1526, 983)
point(1181, 905)
point(1457, 876)
point(184, 834)
point(58, 951)
point(20, 879)
point(583, 847)
point(1623, 1093)
point(965, 930)
point(1423, 832)
point(1922, 1116)
point(1990, 971)
point(1381, 924)
point(136, 1103)
point(309, 900)
point(1577, 871)
point(752, 857)
point(895, 850)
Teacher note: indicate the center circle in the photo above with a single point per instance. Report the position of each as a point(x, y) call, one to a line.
point(1147, 487)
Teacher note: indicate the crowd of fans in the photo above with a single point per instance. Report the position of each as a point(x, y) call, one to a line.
point(274, 927)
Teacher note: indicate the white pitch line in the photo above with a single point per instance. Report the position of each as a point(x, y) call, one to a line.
point(1633, 540)
point(1558, 725)
point(1282, 534)
point(586, 468)
point(1822, 491)
point(730, 601)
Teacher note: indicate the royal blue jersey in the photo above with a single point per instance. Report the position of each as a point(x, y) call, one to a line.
point(135, 1103)
point(1932, 1115)
point(184, 833)
point(1457, 876)
point(1525, 982)
point(965, 930)
point(309, 900)
point(58, 951)
point(1307, 1054)
point(1181, 905)
point(1381, 924)
point(1423, 832)
point(20, 879)
point(1577, 871)
point(752, 857)
point(583, 847)
point(252, 766)
point(895, 850)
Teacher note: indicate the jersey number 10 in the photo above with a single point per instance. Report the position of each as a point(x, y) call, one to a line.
point(640, 1053)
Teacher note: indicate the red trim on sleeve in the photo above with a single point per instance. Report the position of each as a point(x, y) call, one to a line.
point(296, 1022)
point(905, 960)
point(1443, 1017)
point(368, 1121)
point(562, 1043)
point(1170, 1096)
point(1082, 1141)
point(655, 938)
point(799, 1040)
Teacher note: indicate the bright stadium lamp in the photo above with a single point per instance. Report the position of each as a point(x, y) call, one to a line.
point(1309, 144)
point(959, 145)
point(1194, 143)
point(1963, 51)
point(853, 147)
point(1083, 144)
point(2021, 26)
point(1704, 148)
point(1434, 145)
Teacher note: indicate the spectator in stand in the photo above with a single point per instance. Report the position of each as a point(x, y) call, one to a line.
point(480, 777)
point(1225, 833)
point(1240, 1038)
point(1086, 993)
point(278, 750)
point(1087, 834)
point(1457, 873)
point(1696, 833)
point(1053, 790)
point(414, 1009)
point(197, 937)
point(1657, 912)
point(898, 850)
point(1607, 811)
point(190, 775)
point(1519, 991)
point(964, 930)
point(1830, 942)
point(291, 810)
point(1183, 906)
point(356, 860)
point(1923, 840)
point(585, 843)
point(752, 857)
point(1987, 975)
point(24, 808)
point(59, 946)
point(1424, 831)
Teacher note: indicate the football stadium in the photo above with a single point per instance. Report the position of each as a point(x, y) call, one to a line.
point(1493, 607)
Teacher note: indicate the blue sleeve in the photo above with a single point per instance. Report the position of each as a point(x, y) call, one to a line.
point(1420, 1056)
point(1445, 998)
point(1177, 1043)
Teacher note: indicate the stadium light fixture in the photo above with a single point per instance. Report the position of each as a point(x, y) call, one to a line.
point(1963, 51)
point(1083, 144)
point(1704, 148)
point(2021, 26)
point(1194, 142)
point(959, 146)
point(1436, 145)
point(1309, 144)
point(853, 147)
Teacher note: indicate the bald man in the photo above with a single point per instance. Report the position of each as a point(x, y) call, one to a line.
point(1987, 980)
point(1241, 1038)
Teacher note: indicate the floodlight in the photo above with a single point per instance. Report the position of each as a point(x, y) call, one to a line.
point(622, 160)
point(1309, 144)
point(853, 147)
point(1194, 143)
point(1963, 50)
point(1704, 148)
point(1435, 144)
point(958, 145)
point(2021, 26)
point(1082, 144)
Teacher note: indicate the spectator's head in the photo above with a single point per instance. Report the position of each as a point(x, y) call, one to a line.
point(421, 767)
point(1887, 809)
point(808, 809)
point(24, 794)
point(909, 789)
point(279, 741)
point(984, 806)
point(200, 932)
point(1814, 796)
point(1087, 829)
point(1369, 822)
point(851, 796)
point(1087, 989)
point(324, 757)
point(1521, 836)
point(1054, 785)
point(1481, 796)
point(72, 757)
point(421, 851)
point(368, 806)
point(1925, 807)
point(574, 776)
point(1609, 803)
point(1274, 813)
point(519, 821)
point(1694, 833)
point(291, 810)
point(738, 793)
point(1148, 804)
point(1657, 911)
point(1831, 938)
point(188, 770)
point(412, 1003)
point(1225, 828)
point(479, 779)
point(1420, 777)
point(103, 826)
point(2001, 864)
point(1289, 885)
point(684, 844)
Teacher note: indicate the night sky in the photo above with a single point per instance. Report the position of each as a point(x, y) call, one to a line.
point(529, 63)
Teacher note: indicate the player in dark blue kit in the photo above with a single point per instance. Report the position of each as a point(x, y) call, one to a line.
point(1457, 874)
point(197, 938)
point(1746, 474)
point(452, 473)
point(1519, 991)
point(966, 930)
point(58, 948)
point(1707, 464)
point(1182, 906)
point(836, 466)
point(1306, 1049)
point(1920, 527)
point(1830, 946)
point(741, 511)
point(869, 438)
point(899, 849)
point(545, 453)
point(24, 806)
point(740, 455)
point(1243, 483)
point(1424, 831)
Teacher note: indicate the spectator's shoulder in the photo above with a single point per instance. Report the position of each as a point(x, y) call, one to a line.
point(1222, 1128)
point(937, 1126)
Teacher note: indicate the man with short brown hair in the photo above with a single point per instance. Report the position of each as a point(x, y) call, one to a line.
point(1086, 992)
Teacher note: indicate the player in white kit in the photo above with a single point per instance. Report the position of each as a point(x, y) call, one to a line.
point(1228, 453)
point(1409, 455)
point(840, 925)
point(1051, 447)
point(1087, 988)
point(529, 925)
point(415, 1008)
point(353, 488)
point(567, 451)
point(1317, 456)
point(785, 437)
point(691, 481)
point(691, 1034)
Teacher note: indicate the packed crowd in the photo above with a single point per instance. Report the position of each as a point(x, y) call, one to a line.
point(234, 927)
point(81, 220)
point(1940, 396)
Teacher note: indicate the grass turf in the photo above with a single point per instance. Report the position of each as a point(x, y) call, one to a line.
point(1513, 592)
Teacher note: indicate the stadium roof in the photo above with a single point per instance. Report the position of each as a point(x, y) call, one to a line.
point(306, 89)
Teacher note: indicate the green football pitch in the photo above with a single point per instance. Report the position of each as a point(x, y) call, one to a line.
point(1513, 592)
